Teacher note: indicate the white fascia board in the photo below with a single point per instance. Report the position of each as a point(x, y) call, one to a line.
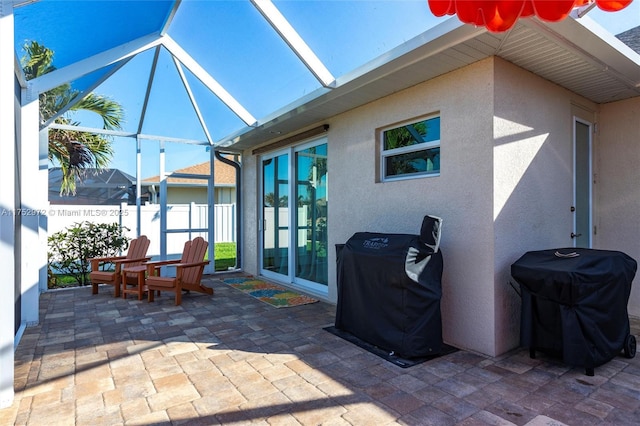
point(188, 176)
point(85, 66)
point(201, 74)
point(295, 42)
point(447, 34)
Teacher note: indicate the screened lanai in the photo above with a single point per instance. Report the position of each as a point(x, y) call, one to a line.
point(197, 80)
point(186, 72)
point(194, 78)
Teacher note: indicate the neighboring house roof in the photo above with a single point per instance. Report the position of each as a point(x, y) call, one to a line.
point(631, 38)
point(225, 175)
point(106, 186)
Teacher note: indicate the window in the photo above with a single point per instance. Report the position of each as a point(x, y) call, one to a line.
point(411, 150)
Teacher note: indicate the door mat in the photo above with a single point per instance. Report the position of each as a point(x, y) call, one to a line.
point(270, 293)
point(386, 355)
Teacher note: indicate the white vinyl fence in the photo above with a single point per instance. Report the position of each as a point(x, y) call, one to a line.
point(179, 216)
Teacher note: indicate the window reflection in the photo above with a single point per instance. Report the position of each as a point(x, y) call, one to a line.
point(311, 196)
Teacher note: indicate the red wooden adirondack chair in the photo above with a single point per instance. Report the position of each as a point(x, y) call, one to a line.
point(136, 255)
point(189, 270)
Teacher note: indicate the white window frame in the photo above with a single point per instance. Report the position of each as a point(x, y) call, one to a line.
point(425, 146)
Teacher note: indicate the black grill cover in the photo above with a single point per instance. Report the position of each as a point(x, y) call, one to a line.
point(380, 303)
point(574, 302)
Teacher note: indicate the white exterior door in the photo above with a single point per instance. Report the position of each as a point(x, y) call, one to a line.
point(582, 184)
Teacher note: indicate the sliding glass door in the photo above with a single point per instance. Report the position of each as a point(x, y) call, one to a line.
point(311, 221)
point(294, 216)
point(275, 215)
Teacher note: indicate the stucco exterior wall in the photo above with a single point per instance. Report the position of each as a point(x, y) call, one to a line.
point(533, 185)
point(617, 184)
point(505, 187)
point(461, 195)
point(250, 248)
point(186, 195)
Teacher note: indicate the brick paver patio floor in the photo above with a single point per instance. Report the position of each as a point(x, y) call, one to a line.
point(230, 359)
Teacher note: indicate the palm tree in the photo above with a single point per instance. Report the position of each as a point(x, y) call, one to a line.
point(73, 151)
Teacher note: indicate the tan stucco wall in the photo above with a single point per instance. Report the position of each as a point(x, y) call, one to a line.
point(618, 184)
point(533, 191)
point(461, 195)
point(458, 195)
point(186, 195)
point(505, 188)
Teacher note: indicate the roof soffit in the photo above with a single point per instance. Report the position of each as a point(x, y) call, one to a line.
point(572, 54)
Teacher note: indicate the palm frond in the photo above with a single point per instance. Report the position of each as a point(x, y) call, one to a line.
point(73, 151)
point(38, 60)
point(110, 111)
point(54, 100)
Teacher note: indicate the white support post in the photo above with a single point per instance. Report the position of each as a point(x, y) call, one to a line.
point(138, 187)
point(163, 204)
point(43, 190)
point(211, 267)
point(7, 202)
point(33, 198)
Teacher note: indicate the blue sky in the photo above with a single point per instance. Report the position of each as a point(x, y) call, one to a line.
point(240, 50)
point(617, 22)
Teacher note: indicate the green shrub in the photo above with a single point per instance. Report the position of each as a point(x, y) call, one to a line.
point(71, 249)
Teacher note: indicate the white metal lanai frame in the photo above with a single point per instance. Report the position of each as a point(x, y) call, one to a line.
point(426, 54)
point(120, 55)
point(32, 147)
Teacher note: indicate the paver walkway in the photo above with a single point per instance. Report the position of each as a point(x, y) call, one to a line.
point(230, 359)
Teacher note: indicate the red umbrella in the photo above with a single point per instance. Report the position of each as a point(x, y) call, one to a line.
point(500, 15)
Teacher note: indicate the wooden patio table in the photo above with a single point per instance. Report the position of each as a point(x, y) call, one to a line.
point(140, 286)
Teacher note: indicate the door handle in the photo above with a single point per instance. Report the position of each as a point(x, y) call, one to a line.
point(575, 235)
